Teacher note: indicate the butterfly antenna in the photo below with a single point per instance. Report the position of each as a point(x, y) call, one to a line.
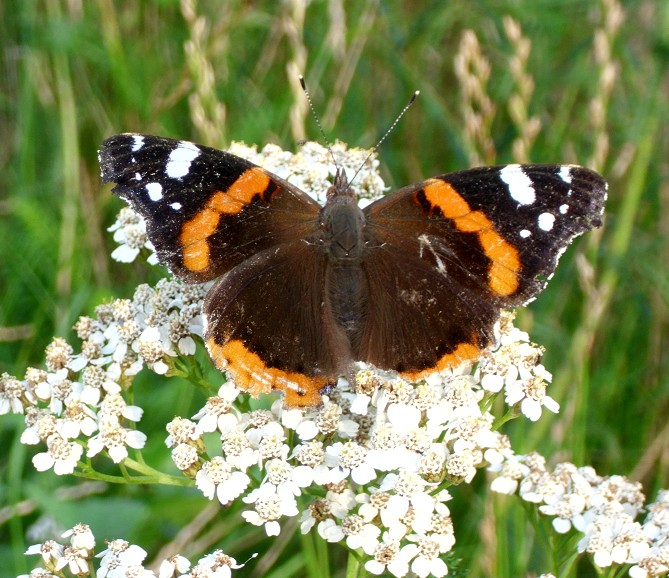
point(318, 121)
point(413, 98)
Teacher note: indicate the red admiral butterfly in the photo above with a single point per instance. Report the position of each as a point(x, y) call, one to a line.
point(413, 283)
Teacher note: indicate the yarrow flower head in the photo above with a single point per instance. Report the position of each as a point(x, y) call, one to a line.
point(120, 559)
point(602, 509)
point(78, 404)
point(130, 233)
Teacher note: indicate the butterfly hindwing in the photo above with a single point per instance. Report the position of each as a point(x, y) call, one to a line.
point(267, 326)
point(196, 200)
point(422, 316)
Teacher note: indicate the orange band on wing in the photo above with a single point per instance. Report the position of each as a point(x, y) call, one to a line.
point(252, 182)
point(193, 239)
point(503, 275)
point(463, 353)
point(196, 231)
point(252, 374)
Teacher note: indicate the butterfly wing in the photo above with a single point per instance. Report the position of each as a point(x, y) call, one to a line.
point(446, 255)
point(206, 210)
point(267, 326)
point(211, 214)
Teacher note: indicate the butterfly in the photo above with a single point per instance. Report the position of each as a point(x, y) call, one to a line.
point(413, 283)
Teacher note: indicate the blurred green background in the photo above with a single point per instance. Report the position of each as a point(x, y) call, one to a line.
point(547, 81)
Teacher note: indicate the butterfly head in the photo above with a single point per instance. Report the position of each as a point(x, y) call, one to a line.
point(341, 187)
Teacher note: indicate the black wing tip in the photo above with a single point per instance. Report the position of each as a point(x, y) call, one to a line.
point(106, 162)
point(108, 152)
point(120, 139)
point(110, 171)
point(114, 154)
point(592, 190)
point(589, 176)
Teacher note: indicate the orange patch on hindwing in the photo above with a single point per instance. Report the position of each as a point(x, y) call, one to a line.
point(195, 232)
point(462, 353)
point(253, 375)
point(503, 274)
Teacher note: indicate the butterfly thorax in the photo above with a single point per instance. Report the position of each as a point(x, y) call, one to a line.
point(342, 223)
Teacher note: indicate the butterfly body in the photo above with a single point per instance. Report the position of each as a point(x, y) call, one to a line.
point(414, 282)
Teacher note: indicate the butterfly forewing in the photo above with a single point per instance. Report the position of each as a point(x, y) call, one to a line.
point(522, 217)
point(206, 210)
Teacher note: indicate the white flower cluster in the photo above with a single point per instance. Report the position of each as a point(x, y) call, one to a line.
point(130, 234)
point(78, 403)
point(383, 454)
point(119, 560)
point(602, 509)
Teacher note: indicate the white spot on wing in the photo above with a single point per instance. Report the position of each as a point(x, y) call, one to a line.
point(564, 208)
point(176, 206)
point(137, 142)
point(520, 185)
point(180, 159)
point(524, 233)
point(138, 177)
point(546, 221)
point(565, 174)
point(155, 191)
point(426, 242)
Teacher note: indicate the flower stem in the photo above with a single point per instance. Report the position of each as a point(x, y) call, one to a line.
point(151, 476)
point(353, 567)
